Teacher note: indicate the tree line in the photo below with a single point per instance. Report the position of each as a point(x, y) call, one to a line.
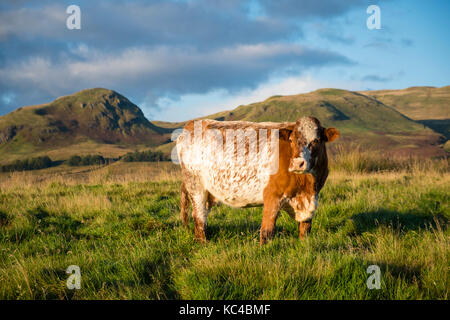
point(87, 160)
point(145, 156)
point(28, 164)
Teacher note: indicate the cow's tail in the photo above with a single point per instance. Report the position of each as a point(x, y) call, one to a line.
point(184, 205)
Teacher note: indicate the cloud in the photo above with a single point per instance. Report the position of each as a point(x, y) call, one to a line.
point(147, 73)
point(152, 49)
point(405, 42)
point(108, 24)
point(310, 8)
point(376, 78)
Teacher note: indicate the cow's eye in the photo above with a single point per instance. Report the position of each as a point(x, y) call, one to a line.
point(313, 143)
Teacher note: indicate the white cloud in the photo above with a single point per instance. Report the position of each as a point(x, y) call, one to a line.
point(36, 21)
point(157, 71)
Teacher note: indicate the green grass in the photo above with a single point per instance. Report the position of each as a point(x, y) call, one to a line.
point(122, 228)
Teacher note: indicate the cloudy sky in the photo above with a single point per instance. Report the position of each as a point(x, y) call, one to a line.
point(181, 59)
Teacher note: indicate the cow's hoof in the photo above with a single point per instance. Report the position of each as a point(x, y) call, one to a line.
point(304, 229)
point(200, 236)
point(200, 240)
point(265, 236)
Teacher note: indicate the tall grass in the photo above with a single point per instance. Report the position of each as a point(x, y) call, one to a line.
point(353, 158)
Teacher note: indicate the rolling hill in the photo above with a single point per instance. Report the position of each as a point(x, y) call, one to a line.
point(417, 103)
point(362, 119)
point(427, 105)
point(412, 121)
point(97, 121)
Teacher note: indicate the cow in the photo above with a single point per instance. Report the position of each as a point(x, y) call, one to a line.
point(286, 174)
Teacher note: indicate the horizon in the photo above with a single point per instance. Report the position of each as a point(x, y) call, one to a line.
point(180, 60)
point(226, 109)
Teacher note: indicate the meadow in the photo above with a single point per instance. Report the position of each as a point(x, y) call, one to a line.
point(120, 224)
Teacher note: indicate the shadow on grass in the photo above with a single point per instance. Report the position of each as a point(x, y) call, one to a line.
point(42, 222)
point(408, 274)
point(231, 229)
point(157, 273)
point(369, 221)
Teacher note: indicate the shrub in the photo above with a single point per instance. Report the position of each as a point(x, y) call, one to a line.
point(86, 160)
point(145, 156)
point(28, 164)
point(74, 161)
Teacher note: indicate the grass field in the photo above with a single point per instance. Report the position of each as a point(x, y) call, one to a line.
point(120, 224)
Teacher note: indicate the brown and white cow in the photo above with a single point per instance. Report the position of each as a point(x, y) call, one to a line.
point(287, 173)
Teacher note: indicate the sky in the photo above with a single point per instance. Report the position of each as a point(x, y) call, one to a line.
point(182, 59)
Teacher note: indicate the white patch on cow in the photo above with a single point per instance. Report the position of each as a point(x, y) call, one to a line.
point(308, 128)
point(199, 201)
point(304, 208)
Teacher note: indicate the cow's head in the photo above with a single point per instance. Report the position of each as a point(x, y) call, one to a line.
point(307, 141)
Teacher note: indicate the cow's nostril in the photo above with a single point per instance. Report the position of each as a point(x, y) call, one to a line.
point(302, 165)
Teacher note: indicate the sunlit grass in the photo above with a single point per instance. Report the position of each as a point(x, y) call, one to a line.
point(120, 224)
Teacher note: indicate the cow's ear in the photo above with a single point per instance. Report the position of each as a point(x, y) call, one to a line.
point(331, 134)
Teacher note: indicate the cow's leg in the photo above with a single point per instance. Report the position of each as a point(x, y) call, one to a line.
point(304, 228)
point(304, 207)
point(184, 205)
point(198, 196)
point(270, 214)
point(199, 214)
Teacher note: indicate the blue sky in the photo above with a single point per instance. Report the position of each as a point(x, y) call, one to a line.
point(183, 59)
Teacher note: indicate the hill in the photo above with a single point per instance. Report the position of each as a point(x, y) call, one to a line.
point(427, 105)
point(96, 121)
point(362, 119)
point(101, 121)
point(417, 103)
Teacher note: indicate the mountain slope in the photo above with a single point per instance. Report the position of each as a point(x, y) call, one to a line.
point(417, 103)
point(362, 119)
point(427, 105)
point(91, 120)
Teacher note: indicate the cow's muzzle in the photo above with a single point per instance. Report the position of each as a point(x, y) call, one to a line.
point(299, 165)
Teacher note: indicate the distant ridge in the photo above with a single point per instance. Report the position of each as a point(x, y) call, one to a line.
point(417, 103)
point(362, 118)
point(408, 122)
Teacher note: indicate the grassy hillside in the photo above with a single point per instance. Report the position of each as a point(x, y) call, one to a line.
point(349, 110)
point(120, 224)
point(418, 103)
point(94, 119)
point(361, 119)
point(427, 105)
